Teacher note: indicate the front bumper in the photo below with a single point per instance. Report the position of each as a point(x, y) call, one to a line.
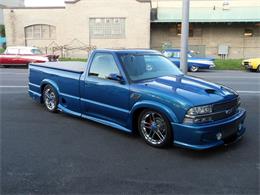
point(203, 136)
point(247, 66)
point(212, 66)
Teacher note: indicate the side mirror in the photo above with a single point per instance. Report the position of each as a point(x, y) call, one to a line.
point(116, 77)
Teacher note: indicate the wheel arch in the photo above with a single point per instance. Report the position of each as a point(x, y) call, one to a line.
point(258, 68)
point(140, 106)
point(51, 83)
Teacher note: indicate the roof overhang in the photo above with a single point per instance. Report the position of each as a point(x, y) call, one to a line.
point(234, 14)
point(75, 1)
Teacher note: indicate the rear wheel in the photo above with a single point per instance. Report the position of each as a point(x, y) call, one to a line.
point(50, 98)
point(258, 68)
point(194, 68)
point(155, 128)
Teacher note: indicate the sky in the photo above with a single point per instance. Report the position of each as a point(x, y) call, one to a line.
point(44, 2)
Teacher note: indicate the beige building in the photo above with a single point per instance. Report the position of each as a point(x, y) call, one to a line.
point(218, 28)
point(80, 25)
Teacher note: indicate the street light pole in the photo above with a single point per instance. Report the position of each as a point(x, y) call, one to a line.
point(184, 35)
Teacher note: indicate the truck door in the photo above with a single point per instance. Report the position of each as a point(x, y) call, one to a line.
point(105, 98)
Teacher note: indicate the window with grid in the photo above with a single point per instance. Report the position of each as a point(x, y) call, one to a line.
point(40, 32)
point(107, 28)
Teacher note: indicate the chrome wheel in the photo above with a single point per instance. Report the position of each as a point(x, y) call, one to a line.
point(154, 128)
point(50, 98)
point(194, 69)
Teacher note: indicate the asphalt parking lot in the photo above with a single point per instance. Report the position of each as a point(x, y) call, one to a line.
point(44, 153)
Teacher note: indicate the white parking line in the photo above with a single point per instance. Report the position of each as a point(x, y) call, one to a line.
point(251, 92)
point(227, 77)
point(13, 86)
point(8, 73)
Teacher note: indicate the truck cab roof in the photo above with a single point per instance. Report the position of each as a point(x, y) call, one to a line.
point(128, 51)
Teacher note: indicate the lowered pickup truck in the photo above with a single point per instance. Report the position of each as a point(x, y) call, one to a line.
point(141, 90)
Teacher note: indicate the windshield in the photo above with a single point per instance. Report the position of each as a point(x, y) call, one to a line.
point(36, 51)
point(147, 66)
point(190, 55)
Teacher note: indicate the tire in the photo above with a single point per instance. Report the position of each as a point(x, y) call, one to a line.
point(194, 68)
point(50, 98)
point(155, 129)
point(258, 68)
point(6, 66)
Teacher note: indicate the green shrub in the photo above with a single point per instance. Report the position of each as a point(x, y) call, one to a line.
point(228, 64)
point(2, 50)
point(73, 59)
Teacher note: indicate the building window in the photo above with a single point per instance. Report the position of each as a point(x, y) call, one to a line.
point(107, 28)
point(40, 32)
point(248, 33)
point(179, 30)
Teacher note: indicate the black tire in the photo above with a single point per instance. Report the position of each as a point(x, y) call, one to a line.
point(258, 68)
point(155, 128)
point(6, 66)
point(50, 98)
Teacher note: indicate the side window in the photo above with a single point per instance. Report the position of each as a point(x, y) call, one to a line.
point(167, 54)
point(103, 65)
point(176, 54)
point(25, 51)
point(12, 51)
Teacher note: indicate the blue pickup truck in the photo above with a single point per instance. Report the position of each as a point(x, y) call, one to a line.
point(194, 63)
point(142, 91)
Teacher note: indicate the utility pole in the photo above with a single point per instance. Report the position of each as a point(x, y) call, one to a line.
point(184, 35)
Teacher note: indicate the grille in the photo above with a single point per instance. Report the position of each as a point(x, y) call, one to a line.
point(246, 63)
point(219, 111)
point(226, 106)
point(223, 110)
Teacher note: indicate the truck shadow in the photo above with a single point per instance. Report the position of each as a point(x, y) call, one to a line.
point(172, 150)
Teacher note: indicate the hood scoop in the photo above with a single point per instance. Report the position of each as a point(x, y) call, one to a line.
point(211, 91)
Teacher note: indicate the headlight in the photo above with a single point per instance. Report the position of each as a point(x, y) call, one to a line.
point(238, 101)
point(198, 114)
point(200, 110)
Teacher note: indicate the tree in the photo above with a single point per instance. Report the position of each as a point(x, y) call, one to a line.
point(2, 30)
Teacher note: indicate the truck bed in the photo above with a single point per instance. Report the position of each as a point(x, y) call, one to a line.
point(77, 67)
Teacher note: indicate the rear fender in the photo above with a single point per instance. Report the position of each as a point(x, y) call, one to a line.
point(49, 82)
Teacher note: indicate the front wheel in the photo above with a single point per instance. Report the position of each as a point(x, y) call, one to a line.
point(155, 128)
point(258, 68)
point(50, 98)
point(194, 68)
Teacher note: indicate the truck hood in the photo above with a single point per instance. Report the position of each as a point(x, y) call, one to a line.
point(192, 90)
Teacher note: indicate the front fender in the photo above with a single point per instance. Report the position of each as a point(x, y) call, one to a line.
point(156, 106)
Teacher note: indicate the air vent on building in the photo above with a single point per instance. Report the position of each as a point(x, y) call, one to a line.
point(223, 50)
